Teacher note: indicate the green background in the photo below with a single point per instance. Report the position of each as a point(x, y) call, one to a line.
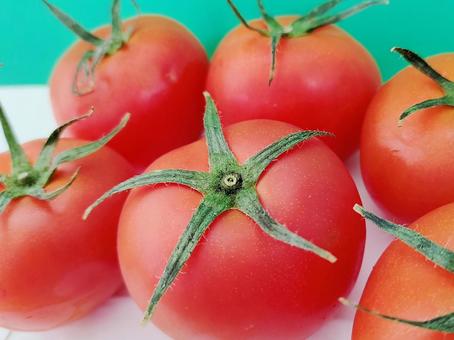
point(32, 39)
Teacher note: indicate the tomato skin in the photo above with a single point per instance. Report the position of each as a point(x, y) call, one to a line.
point(158, 76)
point(419, 170)
point(240, 283)
point(406, 285)
point(324, 80)
point(55, 267)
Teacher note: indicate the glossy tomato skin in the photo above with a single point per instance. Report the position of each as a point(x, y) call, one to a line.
point(324, 80)
point(404, 284)
point(240, 283)
point(158, 76)
point(409, 170)
point(55, 267)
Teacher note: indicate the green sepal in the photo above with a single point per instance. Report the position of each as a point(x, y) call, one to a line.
point(318, 18)
point(248, 202)
point(421, 65)
point(75, 27)
point(211, 207)
point(259, 162)
point(228, 185)
point(444, 323)
point(435, 253)
point(302, 26)
point(19, 160)
point(30, 180)
point(193, 179)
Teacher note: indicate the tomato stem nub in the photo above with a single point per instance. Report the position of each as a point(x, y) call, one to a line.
point(84, 78)
point(439, 255)
point(444, 323)
point(228, 185)
point(29, 180)
point(421, 65)
point(300, 27)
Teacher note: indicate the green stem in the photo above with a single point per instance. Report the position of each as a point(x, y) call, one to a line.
point(228, 185)
point(444, 323)
point(421, 65)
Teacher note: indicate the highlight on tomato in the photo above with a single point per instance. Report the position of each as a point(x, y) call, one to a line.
point(241, 235)
point(149, 65)
point(55, 268)
point(301, 70)
point(410, 292)
point(407, 138)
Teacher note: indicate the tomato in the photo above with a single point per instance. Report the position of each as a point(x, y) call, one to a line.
point(324, 80)
point(239, 282)
point(54, 267)
point(158, 76)
point(408, 169)
point(405, 284)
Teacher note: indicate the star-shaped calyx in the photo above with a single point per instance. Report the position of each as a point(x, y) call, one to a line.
point(29, 180)
point(228, 185)
point(84, 76)
point(303, 25)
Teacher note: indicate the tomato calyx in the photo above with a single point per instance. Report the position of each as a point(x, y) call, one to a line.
point(29, 180)
point(84, 78)
point(433, 252)
point(421, 65)
point(316, 18)
point(228, 185)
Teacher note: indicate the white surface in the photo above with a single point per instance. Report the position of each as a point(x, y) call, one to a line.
point(29, 111)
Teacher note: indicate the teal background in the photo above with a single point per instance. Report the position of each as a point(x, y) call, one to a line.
point(32, 39)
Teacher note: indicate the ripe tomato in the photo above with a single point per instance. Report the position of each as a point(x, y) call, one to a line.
point(324, 80)
point(158, 76)
point(408, 169)
point(54, 267)
point(405, 284)
point(239, 282)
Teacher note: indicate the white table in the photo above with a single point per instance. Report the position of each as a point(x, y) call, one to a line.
point(29, 111)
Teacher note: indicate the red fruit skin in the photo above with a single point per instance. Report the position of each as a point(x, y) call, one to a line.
point(405, 284)
point(409, 169)
point(55, 267)
point(158, 76)
point(240, 283)
point(324, 80)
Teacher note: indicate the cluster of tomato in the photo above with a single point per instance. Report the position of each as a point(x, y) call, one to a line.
point(258, 215)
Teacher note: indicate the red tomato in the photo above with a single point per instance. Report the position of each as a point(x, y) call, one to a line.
point(239, 282)
point(406, 285)
point(54, 267)
point(158, 76)
point(409, 169)
point(324, 80)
